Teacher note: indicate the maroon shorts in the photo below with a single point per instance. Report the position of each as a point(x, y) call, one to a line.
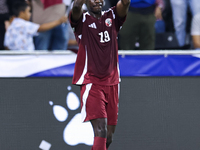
point(98, 101)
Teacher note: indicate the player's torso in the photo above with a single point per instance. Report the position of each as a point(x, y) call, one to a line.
point(99, 38)
point(99, 32)
point(98, 51)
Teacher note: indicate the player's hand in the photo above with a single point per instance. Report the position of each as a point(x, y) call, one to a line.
point(63, 19)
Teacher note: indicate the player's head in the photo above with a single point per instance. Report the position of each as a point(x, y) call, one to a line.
point(94, 6)
point(22, 10)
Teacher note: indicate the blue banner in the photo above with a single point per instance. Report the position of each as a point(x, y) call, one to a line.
point(159, 65)
point(130, 65)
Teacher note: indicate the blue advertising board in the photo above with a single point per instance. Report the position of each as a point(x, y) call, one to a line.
point(130, 65)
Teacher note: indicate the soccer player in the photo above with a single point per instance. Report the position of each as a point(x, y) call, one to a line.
point(96, 68)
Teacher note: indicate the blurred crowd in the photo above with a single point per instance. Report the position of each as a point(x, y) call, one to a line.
point(150, 25)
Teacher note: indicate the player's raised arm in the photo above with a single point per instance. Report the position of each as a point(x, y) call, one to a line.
point(77, 9)
point(122, 7)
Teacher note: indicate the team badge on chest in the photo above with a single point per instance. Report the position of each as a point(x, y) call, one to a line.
point(108, 22)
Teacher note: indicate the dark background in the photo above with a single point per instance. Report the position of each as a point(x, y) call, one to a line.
point(155, 113)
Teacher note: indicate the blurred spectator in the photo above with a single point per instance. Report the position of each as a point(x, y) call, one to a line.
point(160, 26)
point(4, 16)
point(140, 25)
point(56, 38)
point(167, 16)
point(72, 43)
point(179, 12)
point(195, 31)
point(19, 35)
point(10, 4)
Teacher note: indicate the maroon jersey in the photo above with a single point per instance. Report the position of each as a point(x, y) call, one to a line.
point(97, 58)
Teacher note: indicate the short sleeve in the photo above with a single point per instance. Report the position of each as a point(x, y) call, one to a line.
point(195, 27)
point(31, 28)
point(76, 26)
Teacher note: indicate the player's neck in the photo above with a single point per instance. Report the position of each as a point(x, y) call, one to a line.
point(95, 15)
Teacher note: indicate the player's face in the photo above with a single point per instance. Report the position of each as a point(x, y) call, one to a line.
point(95, 6)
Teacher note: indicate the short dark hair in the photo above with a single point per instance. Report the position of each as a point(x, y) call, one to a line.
point(10, 5)
point(19, 7)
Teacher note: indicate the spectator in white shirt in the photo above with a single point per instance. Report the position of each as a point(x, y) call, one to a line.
point(19, 35)
point(195, 31)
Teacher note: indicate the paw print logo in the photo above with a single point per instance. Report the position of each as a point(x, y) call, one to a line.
point(75, 131)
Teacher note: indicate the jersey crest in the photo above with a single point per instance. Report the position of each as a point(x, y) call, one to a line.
point(108, 22)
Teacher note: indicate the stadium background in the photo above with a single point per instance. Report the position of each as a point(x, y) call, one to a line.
point(159, 104)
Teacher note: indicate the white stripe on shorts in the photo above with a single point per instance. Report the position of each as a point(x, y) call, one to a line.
point(85, 96)
point(118, 90)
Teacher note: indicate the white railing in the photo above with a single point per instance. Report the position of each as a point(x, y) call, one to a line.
point(121, 52)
